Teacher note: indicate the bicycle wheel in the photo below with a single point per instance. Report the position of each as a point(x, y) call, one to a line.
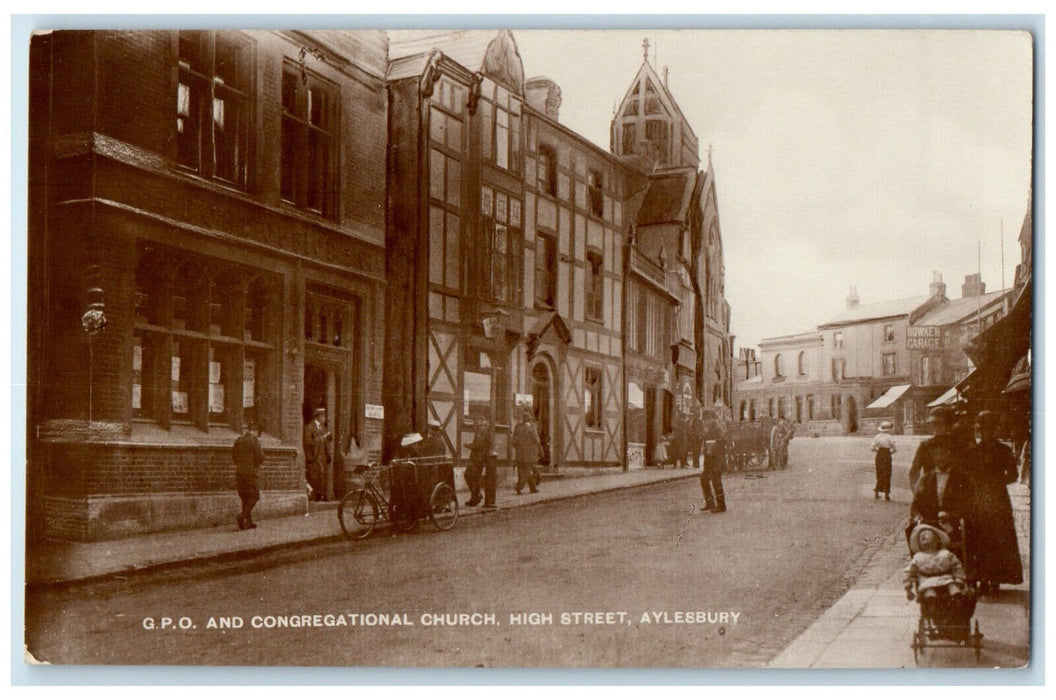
point(443, 507)
point(358, 514)
point(403, 519)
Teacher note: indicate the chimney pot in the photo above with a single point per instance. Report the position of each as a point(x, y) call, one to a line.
point(543, 95)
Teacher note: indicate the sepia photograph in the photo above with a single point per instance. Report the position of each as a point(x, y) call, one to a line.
point(520, 348)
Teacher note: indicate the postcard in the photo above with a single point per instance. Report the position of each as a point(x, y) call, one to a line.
point(656, 349)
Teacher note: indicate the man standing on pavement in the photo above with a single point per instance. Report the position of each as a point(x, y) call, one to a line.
point(248, 456)
point(714, 462)
point(479, 454)
point(528, 449)
point(317, 454)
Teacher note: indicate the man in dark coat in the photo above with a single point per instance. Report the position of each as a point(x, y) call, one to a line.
point(479, 454)
point(995, 548)
point(248, 456)
point(714, 447)
point(318, 452)
point(943, 492)
point(528, 449)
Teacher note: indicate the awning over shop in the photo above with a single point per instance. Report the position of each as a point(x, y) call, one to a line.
point(997, 350)
point(890, 396)
point(950, 396)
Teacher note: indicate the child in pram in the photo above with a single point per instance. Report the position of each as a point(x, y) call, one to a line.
point(936, 578)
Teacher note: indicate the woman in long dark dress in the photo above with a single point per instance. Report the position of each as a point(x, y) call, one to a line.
point(994, 540)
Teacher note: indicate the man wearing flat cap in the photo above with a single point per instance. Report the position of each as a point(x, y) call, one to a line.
point(318, 452)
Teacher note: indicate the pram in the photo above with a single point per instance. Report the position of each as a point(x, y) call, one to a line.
point(947, 620)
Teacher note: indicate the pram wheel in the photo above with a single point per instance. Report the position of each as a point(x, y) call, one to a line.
point(920, 640)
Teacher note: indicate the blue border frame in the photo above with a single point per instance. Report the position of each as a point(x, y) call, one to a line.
point(22, 27)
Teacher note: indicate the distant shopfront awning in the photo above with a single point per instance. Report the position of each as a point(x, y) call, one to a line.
point(890, 396)
point(950, 396)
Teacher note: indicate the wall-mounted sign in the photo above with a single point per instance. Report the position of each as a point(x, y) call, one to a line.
point(924, 338)
point(522, 400)
point(374, 411)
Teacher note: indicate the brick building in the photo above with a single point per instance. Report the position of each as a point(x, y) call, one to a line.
point(239, 226)
point(217, 197)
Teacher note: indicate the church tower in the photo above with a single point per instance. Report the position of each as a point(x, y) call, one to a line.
point(649, 129)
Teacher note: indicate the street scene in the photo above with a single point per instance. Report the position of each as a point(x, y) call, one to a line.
point(436, 349)
point(667, 585)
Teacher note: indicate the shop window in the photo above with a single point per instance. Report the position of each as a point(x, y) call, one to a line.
point(309, 121)
point(594, 192)
point(595, 286)
point(545, 270)
point(486, 387)
point(592, 398)
point(196, 328)
point(213, 111)
point(546, 170)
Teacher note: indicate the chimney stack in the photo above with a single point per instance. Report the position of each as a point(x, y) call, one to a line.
point(937, 286)
point(973, 286)
point(852, 298)
point(543, 95)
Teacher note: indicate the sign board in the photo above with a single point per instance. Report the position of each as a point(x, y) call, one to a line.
point(374, 411)
point(924, 338)
point(522, 400)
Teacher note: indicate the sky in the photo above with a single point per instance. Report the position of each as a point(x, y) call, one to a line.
point(857, 157)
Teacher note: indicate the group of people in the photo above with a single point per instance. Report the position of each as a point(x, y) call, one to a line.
point(480, 471)
point(683, 446)
point(960, 497)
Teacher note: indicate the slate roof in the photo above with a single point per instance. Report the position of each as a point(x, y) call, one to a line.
point(880, 309)
point(958, 310)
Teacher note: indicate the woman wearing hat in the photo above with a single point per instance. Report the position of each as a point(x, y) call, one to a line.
point(995, 548)
point(884, 447)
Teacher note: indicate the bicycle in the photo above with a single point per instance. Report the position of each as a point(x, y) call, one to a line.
point(362, 509)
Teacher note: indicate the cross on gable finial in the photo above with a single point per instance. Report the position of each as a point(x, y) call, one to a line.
point(645, 49)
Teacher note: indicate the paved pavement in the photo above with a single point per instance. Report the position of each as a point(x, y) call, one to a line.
point(58, 562)
point(872, 625)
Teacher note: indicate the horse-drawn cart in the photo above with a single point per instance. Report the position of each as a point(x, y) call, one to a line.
point(751, 444)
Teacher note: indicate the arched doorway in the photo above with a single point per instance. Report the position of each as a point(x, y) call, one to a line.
point(542, 408)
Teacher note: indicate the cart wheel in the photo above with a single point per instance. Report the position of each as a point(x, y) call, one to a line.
point(443, 507)
point(403, 520)
point(358, 514)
